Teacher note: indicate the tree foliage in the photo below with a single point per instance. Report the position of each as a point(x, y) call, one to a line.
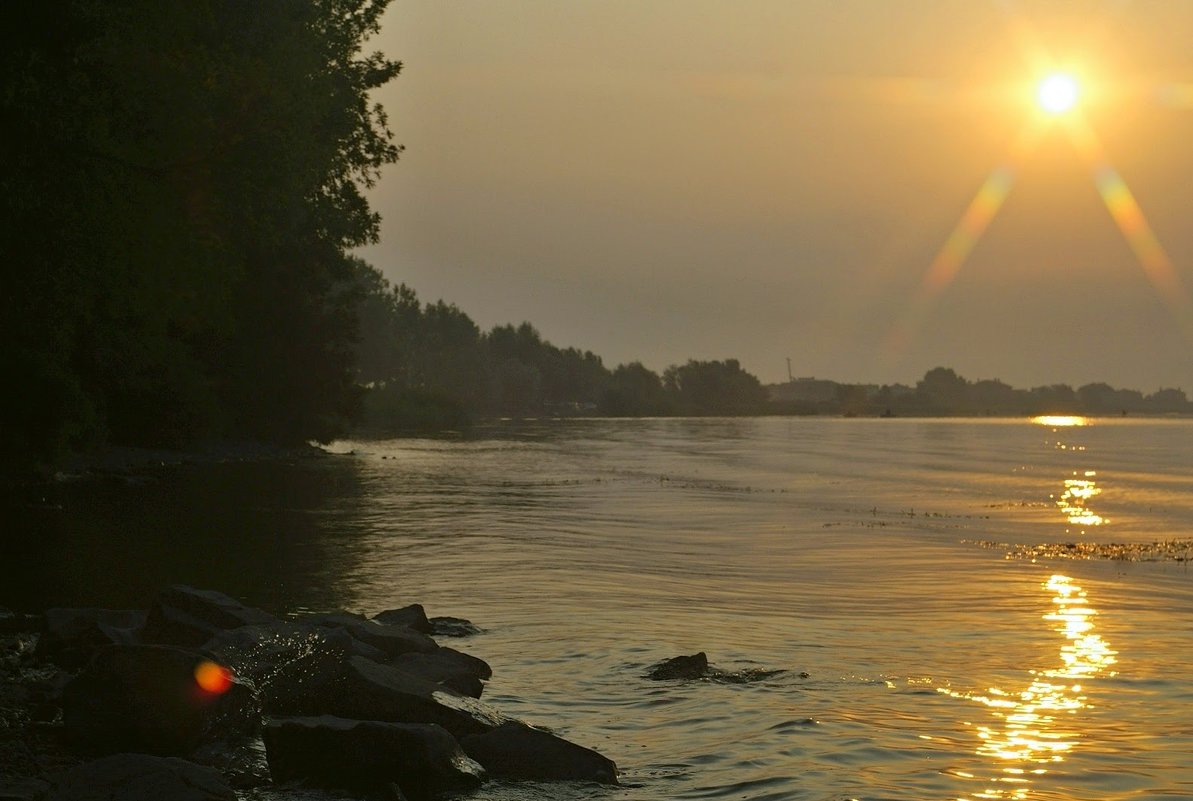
point(429, 364)
point(182, 185)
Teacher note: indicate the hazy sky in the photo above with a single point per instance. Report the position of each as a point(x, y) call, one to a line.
point(659, 180)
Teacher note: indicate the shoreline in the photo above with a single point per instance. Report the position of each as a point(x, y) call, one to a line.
point(245, 701)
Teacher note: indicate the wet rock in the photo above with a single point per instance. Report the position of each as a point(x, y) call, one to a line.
point(680, 667)
point(187, 617)
point(411, 617)
point(746, 676)
point(140, 777)
point(696, 667)
point(423, 760)
point(70, 637)
point(361, 689)
point(449, 667)
point(266, 652)
point(16, 623)
point(145, 698)
point(454, 627)
point(392, 640)
point(517, 751)
point(23, 789)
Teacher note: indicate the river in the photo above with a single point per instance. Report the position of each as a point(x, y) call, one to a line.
point(885, 566)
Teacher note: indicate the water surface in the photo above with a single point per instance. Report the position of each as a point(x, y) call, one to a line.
point(846, 550)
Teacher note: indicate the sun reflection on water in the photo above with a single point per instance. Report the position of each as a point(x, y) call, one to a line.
point(1061, 420)
point(1073, 500)
point(1036, 727)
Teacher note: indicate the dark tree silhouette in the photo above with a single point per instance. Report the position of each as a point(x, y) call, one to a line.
point(182, 185)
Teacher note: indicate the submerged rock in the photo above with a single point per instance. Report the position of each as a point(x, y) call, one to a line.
point(696, 667)
point(680, 667)
point(367, 756)
point(454, 627)
point(141, 777)
point(515, 750)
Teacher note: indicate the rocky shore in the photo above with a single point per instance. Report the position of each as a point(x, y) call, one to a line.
point(201, 698)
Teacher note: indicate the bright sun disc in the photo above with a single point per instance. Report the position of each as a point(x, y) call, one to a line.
point(1057, 93)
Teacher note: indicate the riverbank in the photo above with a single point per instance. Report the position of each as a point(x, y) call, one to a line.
point(208, 693)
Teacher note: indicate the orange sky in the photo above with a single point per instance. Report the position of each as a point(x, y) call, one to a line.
point(669, 179)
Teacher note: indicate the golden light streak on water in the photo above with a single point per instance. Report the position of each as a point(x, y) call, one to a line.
point(1061, 420)
point(1073, 500)
point(1037, 727)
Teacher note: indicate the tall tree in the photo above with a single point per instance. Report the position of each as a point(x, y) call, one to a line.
point(183, 184)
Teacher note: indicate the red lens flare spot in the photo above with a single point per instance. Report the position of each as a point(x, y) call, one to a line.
point(213, 678)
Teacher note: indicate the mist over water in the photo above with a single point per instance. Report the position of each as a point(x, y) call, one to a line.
point(846, 550)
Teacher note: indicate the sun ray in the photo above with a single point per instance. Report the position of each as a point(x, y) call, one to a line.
point(947, 263)
point(1128, 216)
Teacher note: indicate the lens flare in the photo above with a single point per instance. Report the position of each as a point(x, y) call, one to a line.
point(213, 678)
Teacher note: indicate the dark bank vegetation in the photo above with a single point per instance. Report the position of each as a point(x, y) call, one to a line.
point(182, 185)
point(428, 365)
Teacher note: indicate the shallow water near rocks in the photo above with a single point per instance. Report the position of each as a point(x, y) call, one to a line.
point(870, 555)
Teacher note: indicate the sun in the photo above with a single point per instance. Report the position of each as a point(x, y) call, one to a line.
point(1057, 93)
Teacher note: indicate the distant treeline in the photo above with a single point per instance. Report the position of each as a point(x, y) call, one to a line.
point(942, 392)
point(430, 366)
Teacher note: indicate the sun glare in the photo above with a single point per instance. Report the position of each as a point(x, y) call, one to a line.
point(1057, 93)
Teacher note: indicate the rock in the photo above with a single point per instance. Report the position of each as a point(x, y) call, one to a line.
point(392, 640)
point(23, 789)
point(696, 667)
point(454, 627)
point(15, 623)
point(146, 698)
point(449, 667)
point(140, 777)
point(517, 751)
point(262, 652)
point(680, 667)
point(70, 637)
point(361, 689)
point(187, 617)
point(367, 756)
point(411, 617)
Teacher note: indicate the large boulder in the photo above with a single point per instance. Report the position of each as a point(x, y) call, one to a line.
point(264, 652)
point(141, 777)
point(70, 637)
point(367, 756)
point(151, 699)
point(411, 617)
point(361, 689)
point(187, 617)
point(447, 666)
point(517, 751)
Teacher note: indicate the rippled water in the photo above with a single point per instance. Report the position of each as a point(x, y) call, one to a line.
point(919, 664)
